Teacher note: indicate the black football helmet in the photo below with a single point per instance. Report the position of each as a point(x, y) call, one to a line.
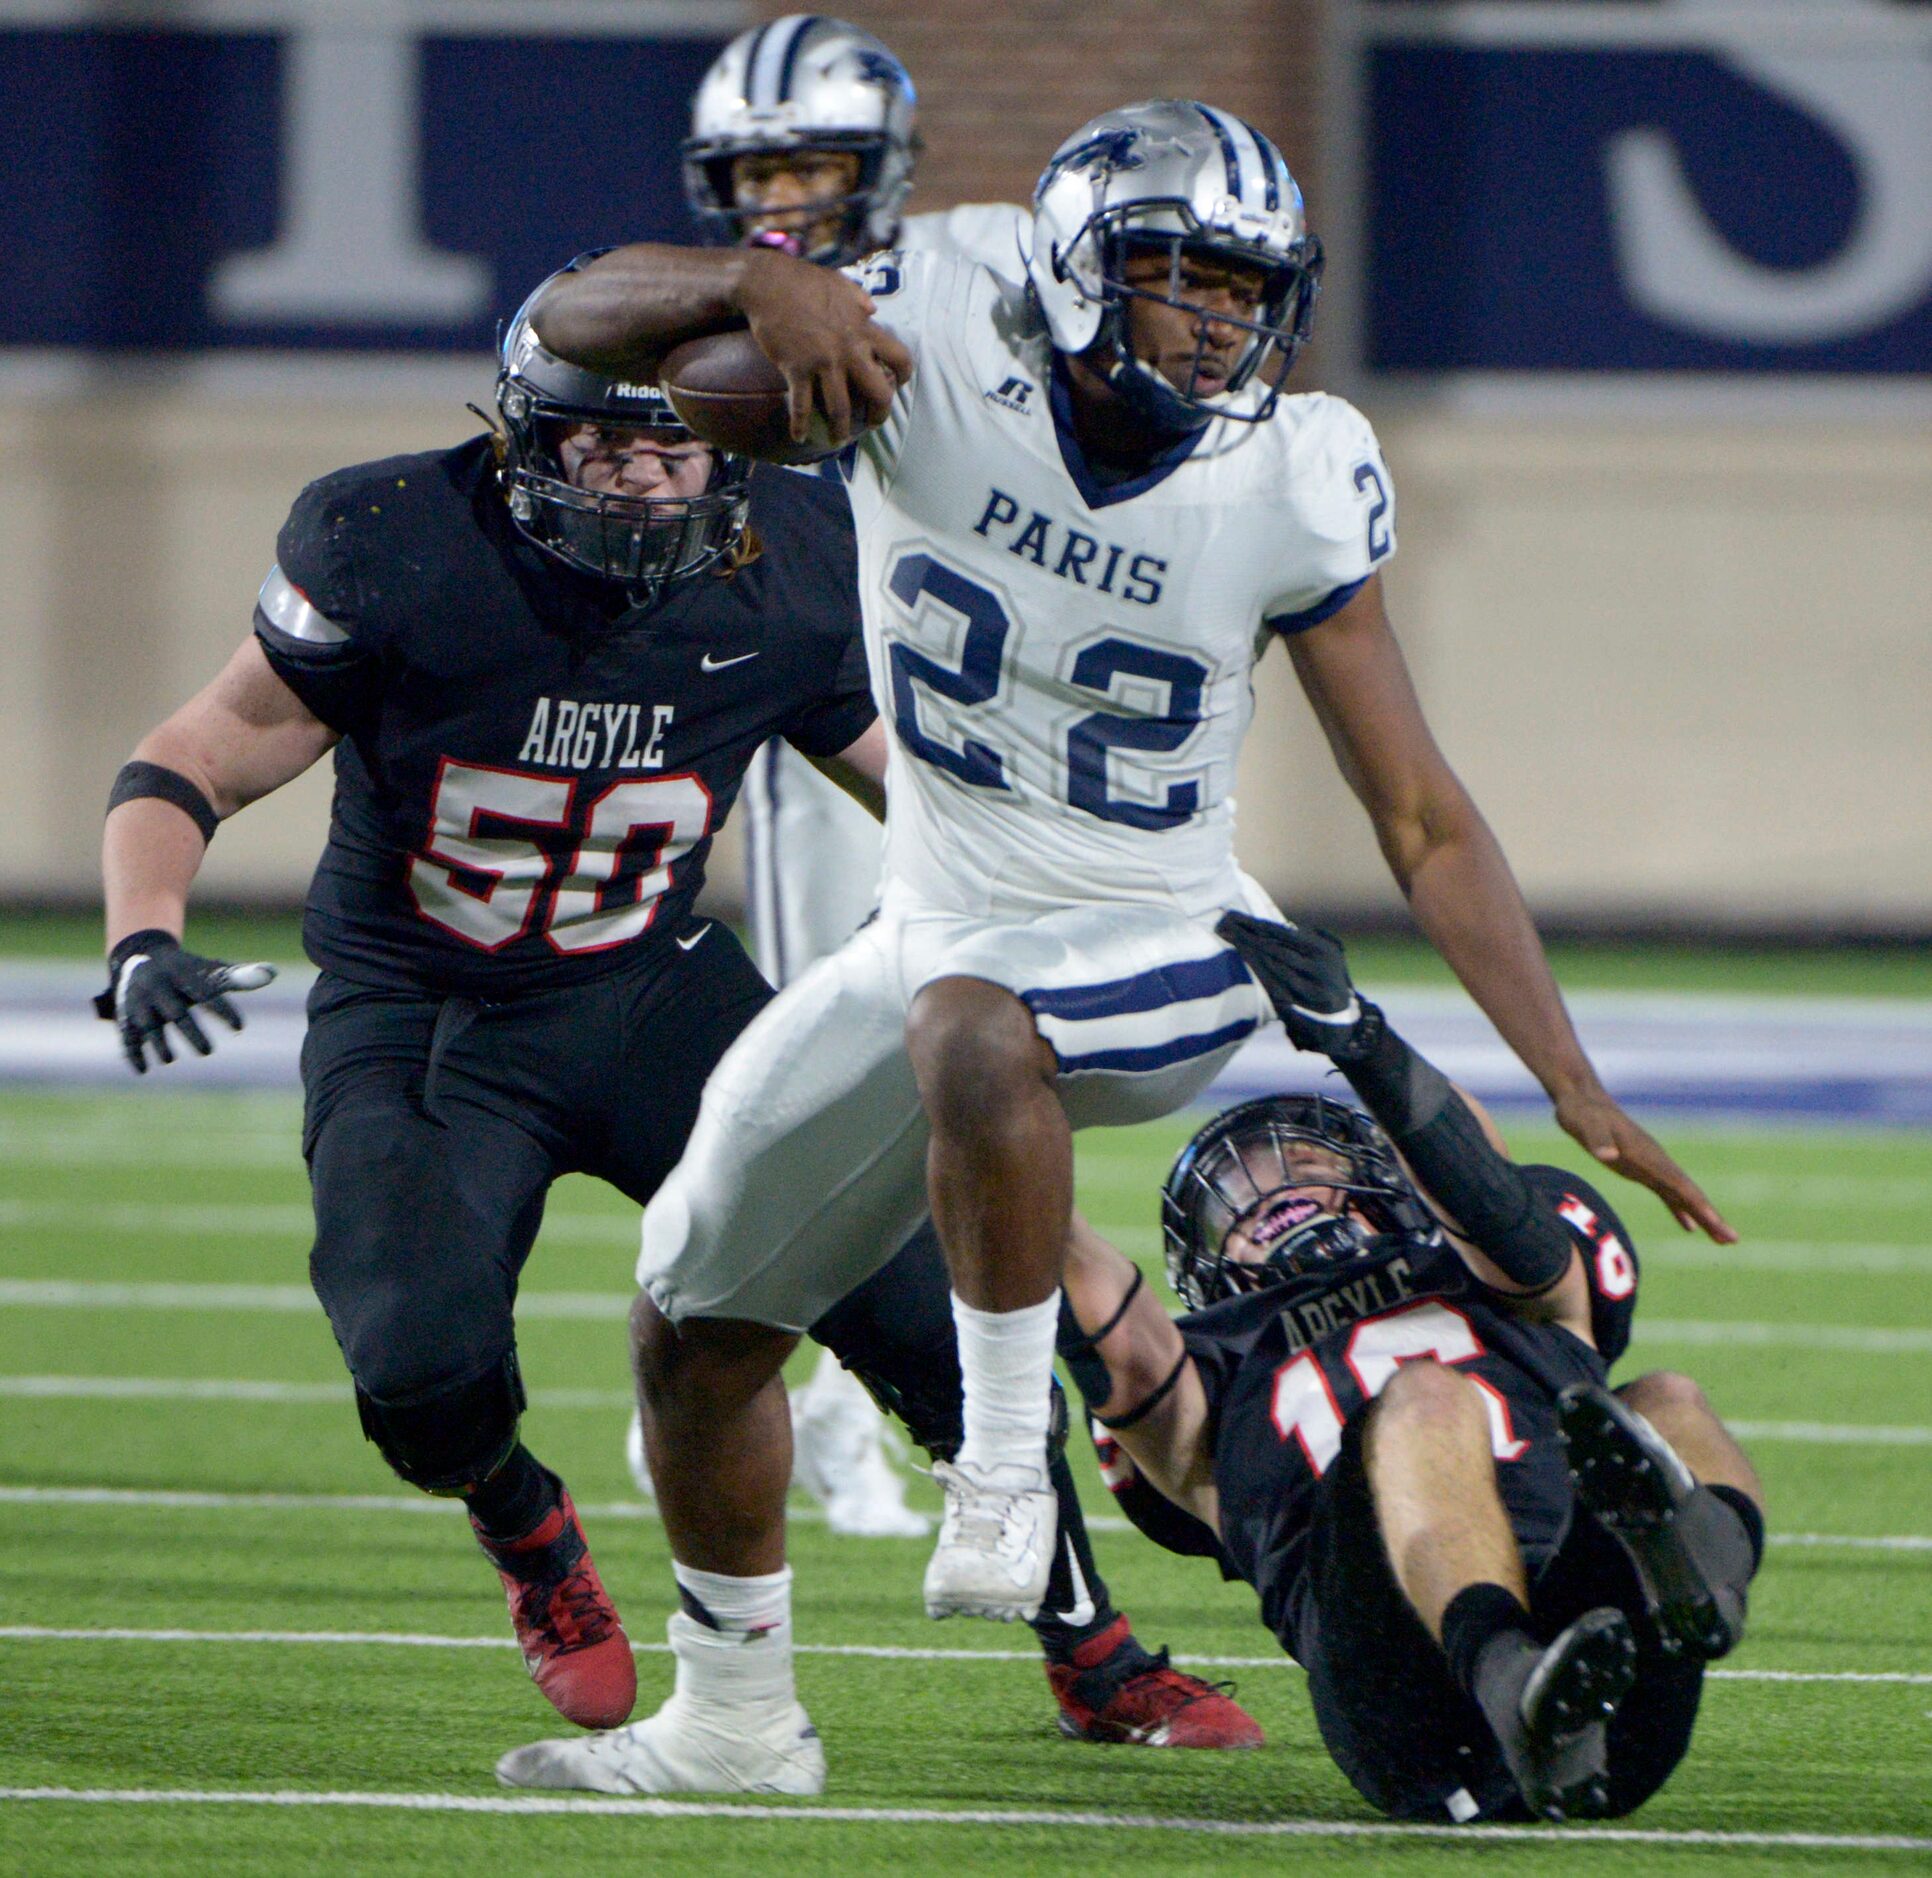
point(1237, 1172)
point(642, 542)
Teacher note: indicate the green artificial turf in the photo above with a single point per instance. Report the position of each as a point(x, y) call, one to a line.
point(151, 1185)
point(1902, 970)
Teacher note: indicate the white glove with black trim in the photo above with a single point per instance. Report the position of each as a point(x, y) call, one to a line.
point(153, 981)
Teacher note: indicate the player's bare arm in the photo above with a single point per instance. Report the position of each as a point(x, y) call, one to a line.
point(1155, 1406)
point(1459, 885)
point(241, 737)
point(860, 769)
point(624, 311)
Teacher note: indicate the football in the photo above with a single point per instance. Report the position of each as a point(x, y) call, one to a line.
point(732, 396)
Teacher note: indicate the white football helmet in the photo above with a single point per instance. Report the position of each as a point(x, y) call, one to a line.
point(805, 82)
point(1171, 174)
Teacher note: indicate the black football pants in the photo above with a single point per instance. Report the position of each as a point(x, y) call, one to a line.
point(434, 1128)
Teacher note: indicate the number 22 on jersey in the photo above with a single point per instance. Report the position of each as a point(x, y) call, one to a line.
point(1304, 1408)
point(1083, 751)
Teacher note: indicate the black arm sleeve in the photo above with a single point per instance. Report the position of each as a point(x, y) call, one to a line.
point(1484, 1192)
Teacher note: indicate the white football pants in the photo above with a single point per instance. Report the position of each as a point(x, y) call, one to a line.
point(807, 1168)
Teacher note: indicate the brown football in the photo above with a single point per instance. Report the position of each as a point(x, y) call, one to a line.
point(734, 397)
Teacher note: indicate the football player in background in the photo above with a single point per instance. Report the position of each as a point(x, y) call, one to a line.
point(1081, 518)
point(1387, 1411)
point(803, 139)
point(543, 660)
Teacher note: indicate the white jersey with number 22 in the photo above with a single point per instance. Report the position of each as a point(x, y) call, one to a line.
point(1065, 663)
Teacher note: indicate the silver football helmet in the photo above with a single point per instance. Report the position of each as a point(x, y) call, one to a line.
point(1181, 178)
point(642, 542)
point(805, 82)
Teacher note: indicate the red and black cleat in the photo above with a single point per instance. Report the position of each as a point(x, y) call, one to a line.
point(1113, 1690)
point(572, 1640)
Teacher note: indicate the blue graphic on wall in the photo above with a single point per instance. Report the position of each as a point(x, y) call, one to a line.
point(1566, 206)
point(322, 186)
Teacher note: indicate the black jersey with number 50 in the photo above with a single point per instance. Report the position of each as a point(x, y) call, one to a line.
point(531, 768)
point(1285, 1369)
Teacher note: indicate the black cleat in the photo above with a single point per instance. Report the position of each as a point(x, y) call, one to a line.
point(1551, 1711)
point(1689, 1548)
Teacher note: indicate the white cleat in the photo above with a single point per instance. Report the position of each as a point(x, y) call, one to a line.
point(839, 1457)
point(683, 1748)
point(732, 1725)
point(637, 1460)
point(996, 1541)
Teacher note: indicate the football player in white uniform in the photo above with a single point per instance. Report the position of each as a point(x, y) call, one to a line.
point(802, 139)
point(1081, 519)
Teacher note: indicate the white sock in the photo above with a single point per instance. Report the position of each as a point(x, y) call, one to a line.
point(1006, 1358)
point(736, 1607)
point(743, 1657)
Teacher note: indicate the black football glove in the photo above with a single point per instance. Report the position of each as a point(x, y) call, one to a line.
point(1305, 974)
point(152, 983)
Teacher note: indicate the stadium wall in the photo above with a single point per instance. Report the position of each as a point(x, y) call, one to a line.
point(1676, 648)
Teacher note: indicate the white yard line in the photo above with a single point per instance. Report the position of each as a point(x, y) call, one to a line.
point(108, 1294)
point(207, 1500)
point(231, 1389)
point(102, 1295)
point(250, 1219)
point(1909, 1341)
point(1026, 1819)
point(882, 1652)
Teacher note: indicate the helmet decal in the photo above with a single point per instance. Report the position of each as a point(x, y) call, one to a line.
point(1197, 182)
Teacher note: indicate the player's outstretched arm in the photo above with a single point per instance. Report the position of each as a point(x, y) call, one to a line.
point(244, 735)
point(1507, 1233)
point(1452, 871)
point(1135, 1373)
point(621, 313)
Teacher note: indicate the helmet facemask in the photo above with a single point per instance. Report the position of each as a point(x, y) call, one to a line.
point(1277, 1188)
point(1275, 332)
point(641, 542)
point(856, 214)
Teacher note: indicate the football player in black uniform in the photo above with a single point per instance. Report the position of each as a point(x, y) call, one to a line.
point(1389, 1414)
point(543, 661)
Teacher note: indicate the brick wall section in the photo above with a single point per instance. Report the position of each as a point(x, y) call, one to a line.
point(1001, 84)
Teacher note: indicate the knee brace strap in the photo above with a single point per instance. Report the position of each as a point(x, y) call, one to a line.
point(454, 1437)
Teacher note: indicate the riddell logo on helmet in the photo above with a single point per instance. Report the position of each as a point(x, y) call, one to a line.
point(633, 391)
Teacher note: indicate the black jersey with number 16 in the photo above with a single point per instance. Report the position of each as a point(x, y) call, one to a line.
point(532, 768)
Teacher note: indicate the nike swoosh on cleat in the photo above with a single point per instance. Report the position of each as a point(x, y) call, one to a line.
point(709, 664)
point(685, 944)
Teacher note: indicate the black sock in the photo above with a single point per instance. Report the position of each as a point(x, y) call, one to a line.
point(1749, 1517)
point(516, 1498)
point(1474, 1616)
point(1058, 1637)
